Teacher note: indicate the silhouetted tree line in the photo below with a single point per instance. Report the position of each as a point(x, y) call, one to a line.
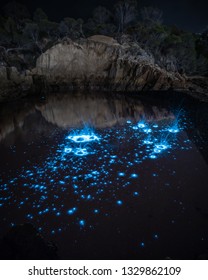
point(174, 49)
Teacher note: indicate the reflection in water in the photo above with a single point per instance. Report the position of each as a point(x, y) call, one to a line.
point(78, 110)
point(110, 167)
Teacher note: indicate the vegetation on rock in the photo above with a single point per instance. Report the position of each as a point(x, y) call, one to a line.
point(23, 37)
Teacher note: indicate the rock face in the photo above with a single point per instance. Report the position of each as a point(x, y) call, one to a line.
point(96, 63)
point(102, 63)
point(14, 84)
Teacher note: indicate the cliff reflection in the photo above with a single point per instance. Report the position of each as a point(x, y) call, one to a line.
point(75, 110)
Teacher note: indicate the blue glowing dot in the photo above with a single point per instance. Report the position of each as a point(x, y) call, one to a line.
point(135, 127)
point(96, 211)
point(155, 236)
point(71, 211)
point(61, 182)
point(121, 174)
point(136, 193)
point(82, 223)
point(58, 214)
point(119, 202)
point(155, 125)
point(147, 142)
point(134, 175)
point(153, 156)
point(128, 122)
point(142, 244)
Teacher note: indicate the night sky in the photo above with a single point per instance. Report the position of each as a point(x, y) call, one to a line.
point(190, 15)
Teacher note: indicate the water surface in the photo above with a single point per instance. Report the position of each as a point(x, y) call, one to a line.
point(107, 176)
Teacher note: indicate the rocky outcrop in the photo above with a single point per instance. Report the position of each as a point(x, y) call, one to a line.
point(96, 63)
point(102, 63)
point(14, 84)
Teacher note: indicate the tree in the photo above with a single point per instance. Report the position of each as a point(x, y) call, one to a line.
point(16, 11)
point(32, 31)
point(71, 27)
point(125, 13)
point(11, 28)
point(48, 28)
point(152, 15)
point(63, 29)
point(39, 15)
point(101, 15)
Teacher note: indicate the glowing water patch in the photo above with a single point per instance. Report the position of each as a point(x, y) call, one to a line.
point(173, 130)
point(153, 156)
point(67, 150)
point(147, 142)
point(147, 130)
point(80, 152)
point(82, 138)
point(141, 125)
point(160, 147)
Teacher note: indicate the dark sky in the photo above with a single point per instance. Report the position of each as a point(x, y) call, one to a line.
point(188, 14)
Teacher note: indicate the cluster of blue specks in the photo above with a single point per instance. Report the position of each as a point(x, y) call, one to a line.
point(85, 175)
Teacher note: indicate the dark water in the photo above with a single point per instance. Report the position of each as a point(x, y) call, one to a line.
point(107, 177)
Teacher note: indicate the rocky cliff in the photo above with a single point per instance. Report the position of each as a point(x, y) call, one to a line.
point(98, 62)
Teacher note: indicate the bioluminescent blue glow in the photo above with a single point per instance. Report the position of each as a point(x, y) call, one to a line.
point(119, 202)
point(85, 172)
point(82, 223)
point(147, 130)
point(160, 147)
point(82, 138)
point(134, 175)
point(72, 211)
point(173, 130)
point(142, 244)
point(81, 152)
point(141, 125)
